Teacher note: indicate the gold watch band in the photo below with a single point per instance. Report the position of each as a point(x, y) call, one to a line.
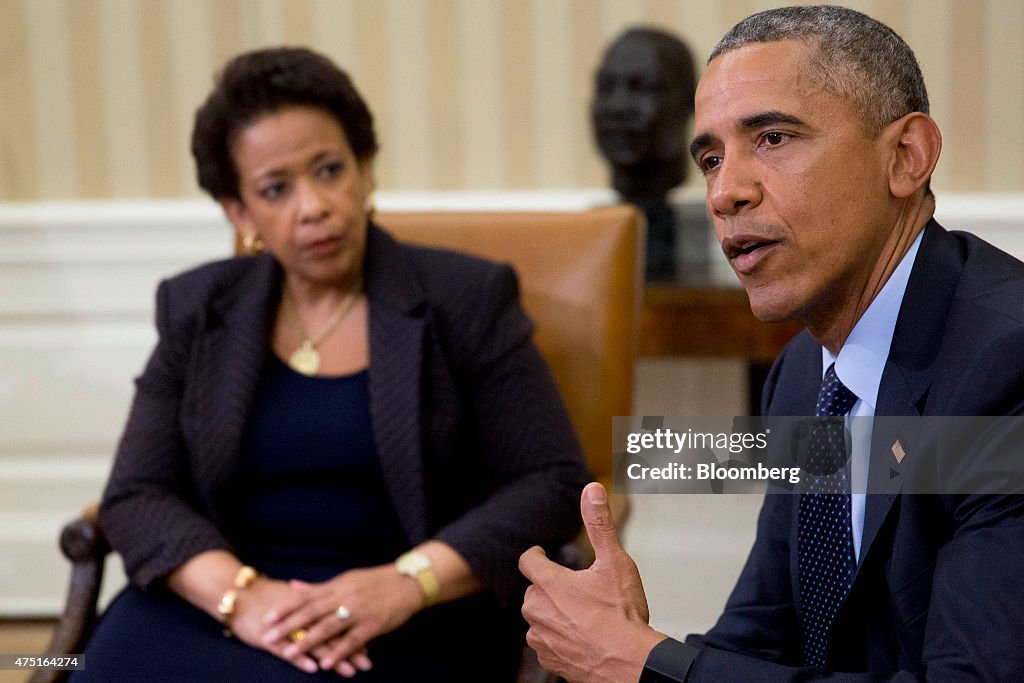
point(418, 566)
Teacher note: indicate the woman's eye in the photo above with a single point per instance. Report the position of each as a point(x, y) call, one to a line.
point(272, 191)
point(330, 170)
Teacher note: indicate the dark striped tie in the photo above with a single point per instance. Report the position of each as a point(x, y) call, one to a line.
point(825, 544)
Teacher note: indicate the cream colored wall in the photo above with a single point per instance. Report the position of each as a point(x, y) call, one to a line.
point(96, 96)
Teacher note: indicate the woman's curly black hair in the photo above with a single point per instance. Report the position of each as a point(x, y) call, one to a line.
point(263, 82)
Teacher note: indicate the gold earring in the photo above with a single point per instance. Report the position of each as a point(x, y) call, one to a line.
point(252, 245)
point(369, 207)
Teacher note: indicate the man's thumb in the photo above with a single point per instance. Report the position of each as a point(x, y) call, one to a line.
point(597, 518)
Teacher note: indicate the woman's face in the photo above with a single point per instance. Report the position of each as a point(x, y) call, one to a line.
point(303, 192)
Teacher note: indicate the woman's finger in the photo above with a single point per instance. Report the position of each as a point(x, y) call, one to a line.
point(345, 648)
point(301, 662)
point(362, 661)
point(305, 617)
point(323, 630)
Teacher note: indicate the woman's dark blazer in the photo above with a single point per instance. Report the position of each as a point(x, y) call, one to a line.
point(475, 445)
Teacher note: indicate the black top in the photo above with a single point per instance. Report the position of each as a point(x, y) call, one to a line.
point(316, 503)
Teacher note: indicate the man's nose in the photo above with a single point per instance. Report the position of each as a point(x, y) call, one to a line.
point(734, 187)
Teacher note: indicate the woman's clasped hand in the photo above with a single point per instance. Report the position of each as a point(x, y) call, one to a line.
point(375, 601)
point(299, 622)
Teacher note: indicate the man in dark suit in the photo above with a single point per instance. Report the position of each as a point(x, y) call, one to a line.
point(812, 131)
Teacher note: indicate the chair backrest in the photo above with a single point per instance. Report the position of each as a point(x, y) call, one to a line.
point(580, 278)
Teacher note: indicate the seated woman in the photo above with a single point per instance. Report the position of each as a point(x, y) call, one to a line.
point(341, 445)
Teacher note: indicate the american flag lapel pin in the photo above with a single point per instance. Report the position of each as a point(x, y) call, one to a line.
point(898, 452)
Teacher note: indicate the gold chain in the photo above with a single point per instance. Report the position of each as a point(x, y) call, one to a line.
point(344, 307)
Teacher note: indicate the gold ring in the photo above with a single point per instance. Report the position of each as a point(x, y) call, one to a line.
point(342, 612)
point(297, 635)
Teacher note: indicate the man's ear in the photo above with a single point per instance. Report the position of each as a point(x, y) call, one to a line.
point(916, 143)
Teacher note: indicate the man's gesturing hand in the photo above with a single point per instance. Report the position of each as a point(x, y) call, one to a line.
point(590, 625)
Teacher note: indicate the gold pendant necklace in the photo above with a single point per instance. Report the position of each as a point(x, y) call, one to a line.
point(306, 359)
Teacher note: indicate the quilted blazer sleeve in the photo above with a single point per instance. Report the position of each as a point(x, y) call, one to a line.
point(526, 462)
point(150, 510)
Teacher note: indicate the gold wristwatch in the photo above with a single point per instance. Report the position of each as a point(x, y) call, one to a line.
point(417, 565)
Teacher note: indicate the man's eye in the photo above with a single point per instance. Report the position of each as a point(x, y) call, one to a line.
point(774, 138)
point(709, 162)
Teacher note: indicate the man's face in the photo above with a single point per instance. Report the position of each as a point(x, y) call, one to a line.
point(638, 110)
point(797, 192)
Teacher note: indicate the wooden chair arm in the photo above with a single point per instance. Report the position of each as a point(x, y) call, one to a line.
point(83, 543)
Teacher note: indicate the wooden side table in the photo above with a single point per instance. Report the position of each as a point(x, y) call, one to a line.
point(708, 321)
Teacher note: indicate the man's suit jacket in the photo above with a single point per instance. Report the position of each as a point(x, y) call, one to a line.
point(938, 593)
point(475, 445)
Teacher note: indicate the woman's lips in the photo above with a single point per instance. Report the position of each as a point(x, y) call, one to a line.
point(329, 246)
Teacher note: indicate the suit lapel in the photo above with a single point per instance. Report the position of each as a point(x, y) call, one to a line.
point(909, 372)
point(885, 475)
point(228, 368)
point(234, 348)
point(795, 395)
point(796, 390)
point(397, 323)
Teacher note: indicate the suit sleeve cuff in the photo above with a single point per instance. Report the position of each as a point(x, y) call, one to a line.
point(669, 661)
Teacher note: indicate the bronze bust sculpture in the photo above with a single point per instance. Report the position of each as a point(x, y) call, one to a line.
point(643, 99)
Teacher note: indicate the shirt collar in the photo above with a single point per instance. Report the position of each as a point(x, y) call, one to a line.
point(861, 361)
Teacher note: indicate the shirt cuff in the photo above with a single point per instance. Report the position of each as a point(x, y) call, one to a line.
point(669, 661)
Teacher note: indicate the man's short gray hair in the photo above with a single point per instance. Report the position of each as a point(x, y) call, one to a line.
point(854, 56)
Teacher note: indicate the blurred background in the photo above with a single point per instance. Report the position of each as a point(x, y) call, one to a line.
point(477, 102)
point(98, 95)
